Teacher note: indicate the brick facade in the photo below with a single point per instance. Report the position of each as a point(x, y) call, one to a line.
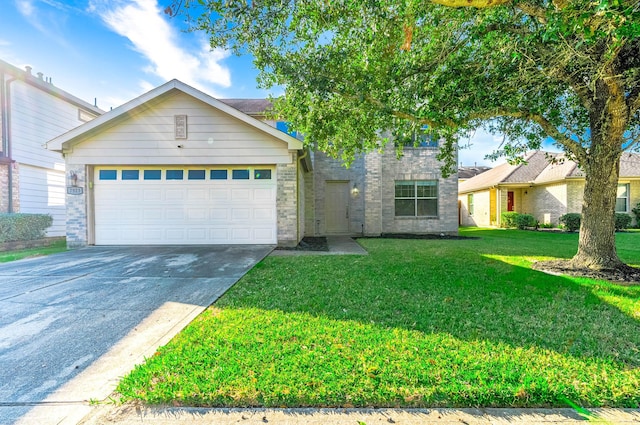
point(371, 178)
point(4, 182)
point(287, 205)
point(77, 224)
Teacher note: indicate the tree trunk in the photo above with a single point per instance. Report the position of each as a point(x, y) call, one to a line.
point(597, 244)
point(608, 116)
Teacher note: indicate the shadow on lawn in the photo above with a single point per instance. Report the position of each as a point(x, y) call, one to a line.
point(471, 299)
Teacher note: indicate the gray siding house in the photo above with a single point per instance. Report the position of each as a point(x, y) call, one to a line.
point(33, 110)
point(176, 166)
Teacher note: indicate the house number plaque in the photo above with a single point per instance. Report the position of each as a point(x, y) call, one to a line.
point(74, 190)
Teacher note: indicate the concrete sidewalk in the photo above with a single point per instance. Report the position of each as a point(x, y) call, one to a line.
point(135, 415)
point(338, 245)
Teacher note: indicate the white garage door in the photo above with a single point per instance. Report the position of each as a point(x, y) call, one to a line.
point(182, 205)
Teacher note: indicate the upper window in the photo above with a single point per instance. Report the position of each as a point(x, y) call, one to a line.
point(130, 174)
point(262, 174)
point(218, 174)
point(175, 174)
point(240, 174)
point(622, 198)
point(196, 174)
point(152, 174)
point(416, 198)
point(108, 174)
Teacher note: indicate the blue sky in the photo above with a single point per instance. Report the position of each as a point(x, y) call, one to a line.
point(111, 51)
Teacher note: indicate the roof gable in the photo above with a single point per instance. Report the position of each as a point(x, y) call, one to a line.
point(148, 101)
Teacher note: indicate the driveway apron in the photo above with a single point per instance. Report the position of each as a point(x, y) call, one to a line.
point(97, 311)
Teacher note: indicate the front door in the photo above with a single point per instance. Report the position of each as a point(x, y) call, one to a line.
point(510, 201)
point(337, 207)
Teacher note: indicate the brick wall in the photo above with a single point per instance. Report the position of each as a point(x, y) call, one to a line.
point(4, 193)
point(417, 164)
point(77, 225)
point(287, 205)
point(330, 169)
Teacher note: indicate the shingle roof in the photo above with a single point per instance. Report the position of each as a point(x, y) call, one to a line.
point(249, 106)
point(468, 172)
point(542, 167)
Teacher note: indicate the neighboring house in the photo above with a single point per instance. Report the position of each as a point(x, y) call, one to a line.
point(176, 166)
point(547, 186)
point(32, 178)
point(465, 172)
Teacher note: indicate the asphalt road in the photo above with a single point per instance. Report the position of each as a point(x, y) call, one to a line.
point(72, 323)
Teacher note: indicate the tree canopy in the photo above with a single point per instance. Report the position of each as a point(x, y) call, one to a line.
point(528, 69)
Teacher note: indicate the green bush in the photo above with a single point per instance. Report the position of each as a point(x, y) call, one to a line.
point(571, 221)
point(23, 227)
point(508, 219)
point(623, 221)
point(525, 220)
point(636, 212)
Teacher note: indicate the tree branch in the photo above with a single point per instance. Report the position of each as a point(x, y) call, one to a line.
point(561, 138)
point(480, 4)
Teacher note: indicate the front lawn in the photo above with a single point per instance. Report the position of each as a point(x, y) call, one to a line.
point(416, 323)
point(58, 246)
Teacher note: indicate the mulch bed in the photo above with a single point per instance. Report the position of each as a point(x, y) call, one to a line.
point(310, 243)
point(623, 276)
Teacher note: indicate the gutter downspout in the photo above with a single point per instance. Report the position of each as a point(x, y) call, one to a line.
point(7, 138)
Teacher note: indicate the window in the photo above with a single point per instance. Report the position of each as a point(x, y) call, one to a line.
point(262, 174)
point(470, 203)
point(622, 198)
point(420, 139)
point(416, 198)
point(108, 175)
point(196, 174)
point(240, 174)
point(152, 174)
point(175, 174)
point(130, 174)
point(218, 175)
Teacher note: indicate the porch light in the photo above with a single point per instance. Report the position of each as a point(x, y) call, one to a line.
point(355, 191)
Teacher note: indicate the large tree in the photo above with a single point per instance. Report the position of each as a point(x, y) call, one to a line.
point(528, 69)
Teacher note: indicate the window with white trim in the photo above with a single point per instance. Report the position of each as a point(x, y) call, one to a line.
point(470, 203)
point(416, 198)
point(622, 198)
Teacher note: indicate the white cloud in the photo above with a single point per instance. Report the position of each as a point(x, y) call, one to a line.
point(49, 20)
point(144, 24)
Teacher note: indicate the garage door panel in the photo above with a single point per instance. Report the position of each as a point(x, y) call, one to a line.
point(157, 212)
point(152, 194)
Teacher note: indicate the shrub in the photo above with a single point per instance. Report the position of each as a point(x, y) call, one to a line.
point(508, 219)
point(622, 221)
point(571, 221)
point(525, 220)
point(636, 212)
point(23, 227)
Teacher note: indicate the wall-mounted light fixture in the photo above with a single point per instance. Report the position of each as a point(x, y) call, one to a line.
point(355, 191)
point(73, 177)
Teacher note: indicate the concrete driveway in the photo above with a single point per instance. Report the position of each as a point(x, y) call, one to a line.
point(72, 324)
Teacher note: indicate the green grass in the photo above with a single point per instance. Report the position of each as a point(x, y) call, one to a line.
point(417, 323)
point(58, 246)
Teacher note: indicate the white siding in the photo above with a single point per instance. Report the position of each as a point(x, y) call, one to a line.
point(42, 191)
point(38, 117)
point(213, 138)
